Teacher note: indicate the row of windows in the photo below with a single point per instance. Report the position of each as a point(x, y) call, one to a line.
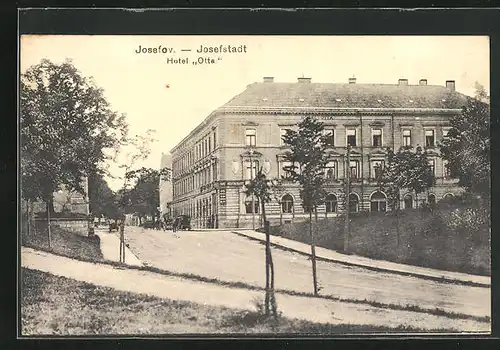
point(378, 203)
point(203, 177)
point(202, 148)
point(331, 169)
point(352, 137)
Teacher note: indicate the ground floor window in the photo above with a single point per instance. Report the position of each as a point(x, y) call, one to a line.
point(287, 203)
point(378, 202)
point(408, 200)
point(353, 203)
point(331, 203)
point(248, 205)
point(431, 199)
point(448, 196)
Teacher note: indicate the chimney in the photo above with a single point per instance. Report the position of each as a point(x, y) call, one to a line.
point(303, 80)
point(450, 84)
point(268, 79)
point(403, 82)
point(352, 80)
point(422, 82)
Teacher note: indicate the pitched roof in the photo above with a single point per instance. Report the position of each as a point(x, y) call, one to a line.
point(321, 95)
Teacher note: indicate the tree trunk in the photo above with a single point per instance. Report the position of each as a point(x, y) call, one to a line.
point(268, 248)
point(398, 203)
point(48, 206)
point(313, 254)
point(274, 306)
point(28, 218)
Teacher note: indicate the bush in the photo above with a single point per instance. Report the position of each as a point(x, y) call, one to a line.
point(455, 236)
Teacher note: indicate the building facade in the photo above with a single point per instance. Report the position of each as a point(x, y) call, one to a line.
point(212, 164)
point(66, 201)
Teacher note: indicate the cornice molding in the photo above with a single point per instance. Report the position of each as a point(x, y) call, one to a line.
point(336, 111)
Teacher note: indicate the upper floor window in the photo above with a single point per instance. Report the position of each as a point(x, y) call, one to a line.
point(251, 169)
point(331, 171)
point(354, 169)
point(250, 137)
point(377, 137)
point(432, 164)
point(377, 169)
point(429, 138)
point(351, 137)
point(209, 144)
point(329, 134)
point(285, 170)
point(215, 139)
point(282, 134)
point(445, 132)
point(406, 138)
point(446, 170)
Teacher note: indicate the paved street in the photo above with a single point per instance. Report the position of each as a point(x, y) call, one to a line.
point(229, 257)
point(312, 309)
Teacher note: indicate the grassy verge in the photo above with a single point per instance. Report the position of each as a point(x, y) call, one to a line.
point(451, 239)
point(52, 305)
point(65, 243)
point(425, 277)
point(243, 285)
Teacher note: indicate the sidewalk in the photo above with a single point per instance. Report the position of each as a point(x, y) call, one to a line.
point(110, 248)
point(307, 308)
point(380, 265)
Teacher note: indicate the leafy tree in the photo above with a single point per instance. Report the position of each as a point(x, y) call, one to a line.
point(308, 157)
point(262, 189)
point(409, 170)
point(66, 128)
point(102, 200)
point(144, 197)
point(467, 145)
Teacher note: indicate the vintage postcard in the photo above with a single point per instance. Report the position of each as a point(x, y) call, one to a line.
point(263, 185)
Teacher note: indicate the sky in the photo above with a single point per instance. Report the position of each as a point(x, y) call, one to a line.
point(172, 99)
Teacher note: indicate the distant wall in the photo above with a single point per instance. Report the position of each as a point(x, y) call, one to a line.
point(76, 225)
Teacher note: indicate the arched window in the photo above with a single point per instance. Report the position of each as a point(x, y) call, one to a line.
point(431, 199)
point(287, 203)
point(353, 203)
point(331, 203)
point(448, 196)
point(408, 199)
point(248, 205)
point(378, 202)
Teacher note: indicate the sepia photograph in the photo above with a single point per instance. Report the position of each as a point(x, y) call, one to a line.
point(254, 185)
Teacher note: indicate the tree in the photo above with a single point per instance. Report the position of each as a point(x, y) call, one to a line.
point(467, 145)
point(261, 189)
point(102, 200)
point(308, 157)
point(66, 128)
point(144, 197)
point(407, 170)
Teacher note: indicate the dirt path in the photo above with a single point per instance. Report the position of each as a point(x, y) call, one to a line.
point(315, 310)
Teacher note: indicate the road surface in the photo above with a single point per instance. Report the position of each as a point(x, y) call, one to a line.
point(229, 257)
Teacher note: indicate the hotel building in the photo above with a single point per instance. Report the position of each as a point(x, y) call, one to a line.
point(211, 165)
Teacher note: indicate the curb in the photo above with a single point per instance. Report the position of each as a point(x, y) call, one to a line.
point(373, 268)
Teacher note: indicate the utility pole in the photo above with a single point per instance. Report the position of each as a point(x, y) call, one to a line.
point(347, 194)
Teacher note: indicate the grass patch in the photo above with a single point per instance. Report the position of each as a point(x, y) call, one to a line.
point(453, 238)
point(52, 305)
point(65, 243)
